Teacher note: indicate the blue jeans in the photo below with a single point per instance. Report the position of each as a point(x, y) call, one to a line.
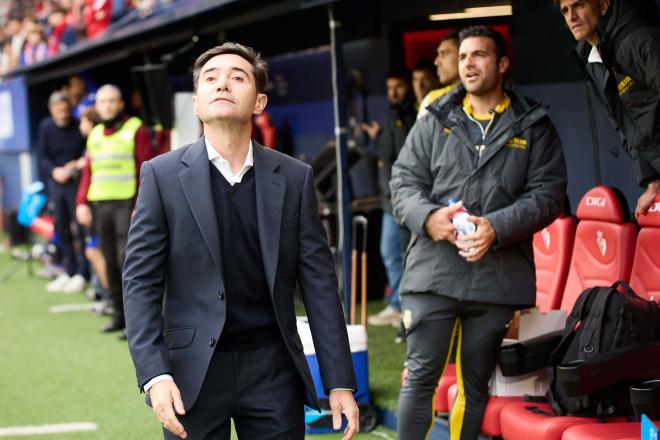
point(390, 252)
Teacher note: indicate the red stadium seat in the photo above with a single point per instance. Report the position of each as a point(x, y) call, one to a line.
point(644, 278)
point(602, 253)
point(552, 257)
point(604, 243)
point(607, 431)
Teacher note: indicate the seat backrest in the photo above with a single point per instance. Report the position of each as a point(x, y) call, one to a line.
point(645, 274)
point(553, 246)
point(604, 243)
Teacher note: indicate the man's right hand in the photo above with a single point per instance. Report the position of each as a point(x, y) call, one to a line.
point(438, 225)
point(84, 215)
point(166, 403)
point(61, 174)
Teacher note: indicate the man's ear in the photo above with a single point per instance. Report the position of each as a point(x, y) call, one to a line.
point(260, 104)
point(194, 105)
point(604, 6)
point(504, 65)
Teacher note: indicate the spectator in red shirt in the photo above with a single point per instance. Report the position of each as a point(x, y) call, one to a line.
point(97, 15)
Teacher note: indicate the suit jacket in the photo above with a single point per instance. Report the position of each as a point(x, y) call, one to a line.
point(173, 281)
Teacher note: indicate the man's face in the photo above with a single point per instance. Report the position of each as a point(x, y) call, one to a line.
point(423, 82)
point(108, 104)
point(582, 17)
point(397, 90)
point(447, 62)
point(61, 113)
point(480, 70)
point(227, 91)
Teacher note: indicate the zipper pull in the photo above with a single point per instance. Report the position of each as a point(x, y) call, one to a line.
point(480, 149)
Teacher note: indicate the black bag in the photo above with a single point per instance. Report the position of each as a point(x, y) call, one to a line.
point(603, 319)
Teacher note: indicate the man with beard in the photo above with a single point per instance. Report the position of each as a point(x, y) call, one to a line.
point(499, 155)
point(446, 63)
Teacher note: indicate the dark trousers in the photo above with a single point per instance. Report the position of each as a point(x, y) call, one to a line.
point(433, 324)
point(111, 221)
point(259, 389)
point(72, 249)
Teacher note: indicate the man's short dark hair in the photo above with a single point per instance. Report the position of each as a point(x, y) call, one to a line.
point(399, 73)
point(488, 32)
point(451, 36)
point(425, 64)
point(259, 66)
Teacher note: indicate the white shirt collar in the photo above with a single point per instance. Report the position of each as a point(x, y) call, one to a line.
point(594, 56)
point(223, 165)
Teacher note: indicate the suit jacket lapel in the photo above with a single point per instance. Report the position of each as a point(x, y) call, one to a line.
point(196, 182)
point(270, 188)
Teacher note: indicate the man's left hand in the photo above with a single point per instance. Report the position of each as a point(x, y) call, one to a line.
point(342, 402)
point(474, 246)
point(646, 200)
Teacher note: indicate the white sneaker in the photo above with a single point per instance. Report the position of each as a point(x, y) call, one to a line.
point(58, 284)
point(388, 316)
point(76, 284)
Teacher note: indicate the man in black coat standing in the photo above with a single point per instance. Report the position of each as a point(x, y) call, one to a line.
point(619, 49)
point(224, 230)
point(60, 145)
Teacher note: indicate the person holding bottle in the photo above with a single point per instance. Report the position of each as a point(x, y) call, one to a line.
point(496, 152)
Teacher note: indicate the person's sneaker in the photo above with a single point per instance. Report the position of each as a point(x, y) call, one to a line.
point(58, 284)
point(76, 284)
point(388, 316)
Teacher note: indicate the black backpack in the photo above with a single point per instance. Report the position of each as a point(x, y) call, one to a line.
point(603, 319)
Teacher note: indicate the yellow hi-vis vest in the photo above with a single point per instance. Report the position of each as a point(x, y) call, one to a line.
point(112, 160)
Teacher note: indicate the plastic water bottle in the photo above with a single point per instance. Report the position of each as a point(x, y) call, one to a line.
point(460, 220)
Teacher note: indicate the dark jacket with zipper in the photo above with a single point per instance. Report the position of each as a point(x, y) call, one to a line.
point(629, 87)
point(399, 122)
point(518, 183)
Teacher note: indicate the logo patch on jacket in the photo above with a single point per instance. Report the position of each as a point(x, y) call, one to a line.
point(625, 85)
point(517, 143)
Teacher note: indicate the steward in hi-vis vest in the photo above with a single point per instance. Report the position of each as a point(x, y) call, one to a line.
point(112, 161)
point(116, 149)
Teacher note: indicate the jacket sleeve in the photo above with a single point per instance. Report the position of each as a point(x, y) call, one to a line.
point(144, 280)
point(645, 58)
point(412, 181)
point(318, 286)
point(644, 171)
point(542, 197)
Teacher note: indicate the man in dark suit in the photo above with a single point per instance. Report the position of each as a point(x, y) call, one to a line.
point(223, 230)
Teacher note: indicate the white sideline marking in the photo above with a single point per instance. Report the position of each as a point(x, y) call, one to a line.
point(59, 428)
point(382, 435)
point(65, 308)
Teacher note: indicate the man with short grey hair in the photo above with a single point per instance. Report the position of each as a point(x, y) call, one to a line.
point(60, 145)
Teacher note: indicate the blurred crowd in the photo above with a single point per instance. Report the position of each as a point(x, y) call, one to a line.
point(34, 30)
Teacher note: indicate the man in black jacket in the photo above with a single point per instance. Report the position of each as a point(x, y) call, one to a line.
point(60, 146)
point(399, 122)
point(499, 155)
point(619, 48)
